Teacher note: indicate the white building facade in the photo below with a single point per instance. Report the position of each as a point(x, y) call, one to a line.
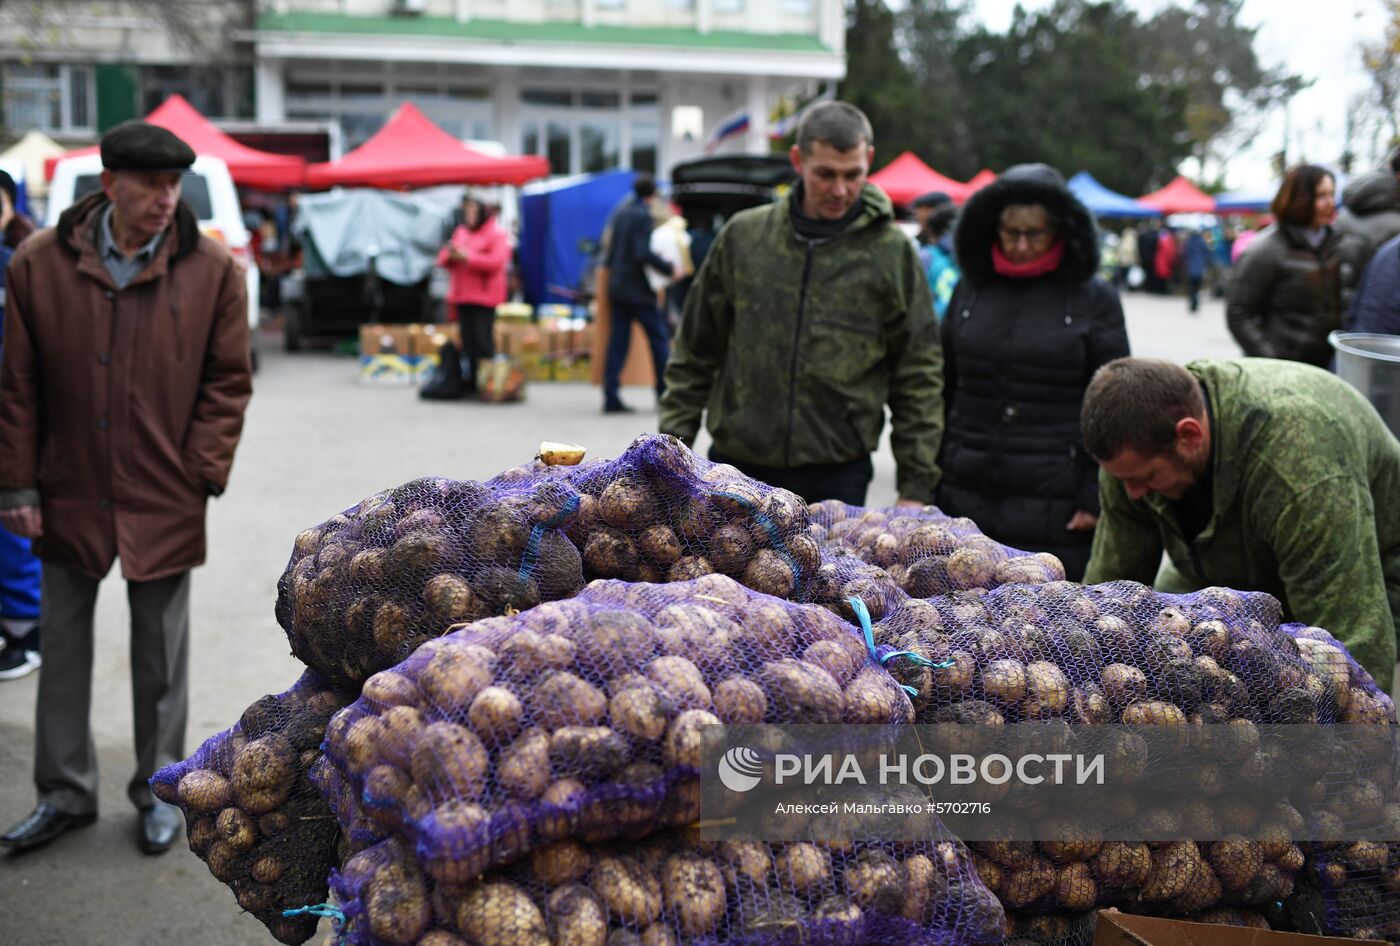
point(590, 84)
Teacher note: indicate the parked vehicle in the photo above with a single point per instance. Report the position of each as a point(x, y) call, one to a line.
point(208, 190)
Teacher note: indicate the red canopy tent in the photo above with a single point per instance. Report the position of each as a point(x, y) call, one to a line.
point(248, 166)
point(410, 151)
point(980, 180)
point(906, 177)
point(1179, 197)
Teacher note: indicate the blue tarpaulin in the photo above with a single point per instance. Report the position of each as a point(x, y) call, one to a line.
point(1103, 202)
point(554, 219)
point(1247, 200)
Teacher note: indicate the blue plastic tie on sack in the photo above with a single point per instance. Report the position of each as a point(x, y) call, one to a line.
point(532, 547)
point(319, 909)
point(774, 536)
point(863, 616)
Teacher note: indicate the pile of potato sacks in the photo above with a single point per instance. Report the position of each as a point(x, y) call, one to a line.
point(371, 592)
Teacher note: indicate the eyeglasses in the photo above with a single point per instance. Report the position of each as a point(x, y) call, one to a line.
point(1013, 236)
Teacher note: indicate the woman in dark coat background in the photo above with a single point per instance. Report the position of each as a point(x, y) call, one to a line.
point(1286, 292)
point(1027, 327)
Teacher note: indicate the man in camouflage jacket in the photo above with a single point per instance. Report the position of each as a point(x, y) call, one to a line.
point(808, 316)
point(1253, 474)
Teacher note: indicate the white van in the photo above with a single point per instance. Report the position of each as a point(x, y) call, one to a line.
point(207, 189)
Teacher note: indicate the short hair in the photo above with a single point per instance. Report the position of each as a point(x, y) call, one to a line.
point(838, 124)
point(942, 219)
point(644, 186)
point(1294, 201)
point(1135, 403)
point(1393, 160)
point(7, 184)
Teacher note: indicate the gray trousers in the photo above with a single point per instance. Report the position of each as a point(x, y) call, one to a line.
point(65, 757)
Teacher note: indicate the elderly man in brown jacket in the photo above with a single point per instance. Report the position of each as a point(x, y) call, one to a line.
point(123, 383)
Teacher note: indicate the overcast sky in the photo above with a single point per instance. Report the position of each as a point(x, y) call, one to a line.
point(1315, 40)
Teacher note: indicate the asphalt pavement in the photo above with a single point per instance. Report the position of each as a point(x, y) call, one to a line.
point(317, 440)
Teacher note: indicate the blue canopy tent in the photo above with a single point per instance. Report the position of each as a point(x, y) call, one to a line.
point(555, 217)
point(1246, 200)
point(1103, 202)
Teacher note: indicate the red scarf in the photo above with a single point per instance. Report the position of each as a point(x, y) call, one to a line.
point(1046, 262)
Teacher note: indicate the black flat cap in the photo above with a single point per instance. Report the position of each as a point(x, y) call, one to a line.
point(931, 199)
point(141, 146)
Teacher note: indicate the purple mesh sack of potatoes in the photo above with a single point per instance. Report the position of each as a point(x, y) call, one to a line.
point(252, 813)
point(1120, 653)
point(925, 552)
point(672, 888)
point(363, 589)
point(583, 718)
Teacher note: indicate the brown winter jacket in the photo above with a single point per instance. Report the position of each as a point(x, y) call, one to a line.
point(120, 409)
point(1285, 296)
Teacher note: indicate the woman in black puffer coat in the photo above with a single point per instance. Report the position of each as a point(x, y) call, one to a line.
point(1027, 327)
point(1285, 293)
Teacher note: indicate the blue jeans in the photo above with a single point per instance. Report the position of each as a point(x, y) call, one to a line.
point(619, 340)
point(19, 579)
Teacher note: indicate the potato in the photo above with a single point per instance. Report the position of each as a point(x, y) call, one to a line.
point(1023, 887)
point(264, 773)
point(1235, 861)
point(363, 742)
point(560, 863)
point(920, 887)
point(1172, 869)
point(970, 568)
point(638, 711)
point(1124, 684)
point(1004, 681)
point(738, 700)
point(693, 891)
point(267, 869)
point(501, 914)
point(683, 738)
point(680, 682)
point(204, 790)
point(836, 658)
point(563, 699)
point(798, 690)
point(876, 881)
point(747, 861)
point(523, 770)
point(561, 454)
point(658, 545)
point(1075, 888)
point(802, 868)
point(236, 829)
point(1047, 690)
point(202, 832)
point(225, 861)
point(1073, 842)
point(454, 676)
point(495, 715)
point(873, 697)
point(592, 752)
point(1153, 713)
point(1203, 891)
point(389, 688)
point(450, 599)
point(577, 917)
point(462, 823)
point(627, 503)
point(256, 897)
point(441, 938)
point(689, 568)
point(1122, 864)
point(609, 553)
point(769, 573)
point(449, 762)
point(730, 549)
point(632, 893)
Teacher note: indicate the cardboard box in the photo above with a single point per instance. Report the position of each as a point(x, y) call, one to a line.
point(1122, 929)
point(427, 340)
point(637, 369)
point(387, 354)
point(556, 350)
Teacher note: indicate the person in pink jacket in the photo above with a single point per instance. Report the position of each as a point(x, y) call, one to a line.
point(476, 259)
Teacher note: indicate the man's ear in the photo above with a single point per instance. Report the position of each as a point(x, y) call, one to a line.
point(107, 178)
point(795, 156)
point(1190, 435)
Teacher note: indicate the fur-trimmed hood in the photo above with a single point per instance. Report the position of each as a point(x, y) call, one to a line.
point(78, 224)
point(1026, 184)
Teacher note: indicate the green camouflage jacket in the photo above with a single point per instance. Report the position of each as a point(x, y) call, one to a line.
point(1307, 506)
point(794, 347)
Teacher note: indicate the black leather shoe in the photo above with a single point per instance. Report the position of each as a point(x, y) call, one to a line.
point(618, 408)
point(160, 826)
point(44, 824)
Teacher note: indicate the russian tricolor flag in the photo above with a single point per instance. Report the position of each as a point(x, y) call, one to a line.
point(734, 124)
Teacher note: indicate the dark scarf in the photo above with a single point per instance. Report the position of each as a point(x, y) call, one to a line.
point(819, 231)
